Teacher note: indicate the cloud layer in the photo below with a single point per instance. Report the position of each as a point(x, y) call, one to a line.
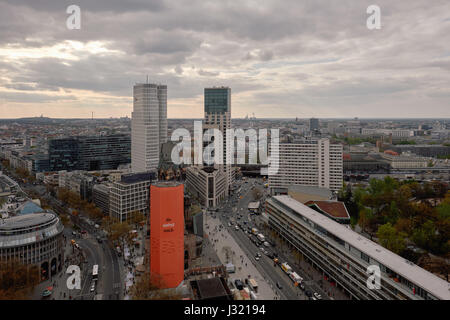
point(281, 58)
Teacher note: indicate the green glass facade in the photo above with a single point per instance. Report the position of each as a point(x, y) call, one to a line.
point(217, 100)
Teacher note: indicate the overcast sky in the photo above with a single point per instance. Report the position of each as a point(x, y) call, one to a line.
point(283, 58)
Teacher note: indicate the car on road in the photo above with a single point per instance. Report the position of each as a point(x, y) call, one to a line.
point(239, 284)
point(93, 287)
point(236, 228)
point(317, 296)
point(302, 286)
point(279, 286)
point(258, 254)
point(256, 258)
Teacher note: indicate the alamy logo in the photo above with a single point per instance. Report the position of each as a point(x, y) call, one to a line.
point(214, 151)
point(74, 20)
point(74, 280)
point(374, 279)
point(374, 20)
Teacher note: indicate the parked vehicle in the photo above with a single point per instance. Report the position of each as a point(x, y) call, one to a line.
point(239, 284)
point(286, 268)
point(295, 277)
point(317, 296)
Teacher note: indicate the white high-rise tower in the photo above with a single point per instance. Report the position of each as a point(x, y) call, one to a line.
point(148, 125)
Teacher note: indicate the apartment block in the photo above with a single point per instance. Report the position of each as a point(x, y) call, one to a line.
point(308, 163)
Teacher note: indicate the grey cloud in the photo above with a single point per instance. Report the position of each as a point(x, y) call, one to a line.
point(207, 73)
point(319, 52)
point(33, 97)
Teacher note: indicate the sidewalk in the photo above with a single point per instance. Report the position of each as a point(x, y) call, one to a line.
point(58, 281)
point(229, 251)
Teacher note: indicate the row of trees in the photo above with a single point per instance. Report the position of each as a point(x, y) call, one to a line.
point(399, 213)
point(147, 287)
point(120, 232)
point(74, 201)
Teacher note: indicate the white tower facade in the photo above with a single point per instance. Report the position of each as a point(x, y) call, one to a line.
point(148, 125)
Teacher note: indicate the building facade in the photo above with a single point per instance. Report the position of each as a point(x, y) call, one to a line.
point(100, 196)
point(148, 126)
point(89, 153)
point(33, 239)
point(218, 116)
point(208, 184)
point(167, 233)
point(313, 124)
point(344, 255)
point(308, 163)
point(130, 194)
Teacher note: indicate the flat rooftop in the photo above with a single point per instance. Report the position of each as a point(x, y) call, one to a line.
point(211, 288)
point(426, 280)
point(25, 221)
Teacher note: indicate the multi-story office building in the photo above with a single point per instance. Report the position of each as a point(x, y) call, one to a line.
point(395, 133)
point(344, 255)
point(208, 184)
point(89, 153)
point(405, 161)
point(167, 233)
point(218, 116)
point(100, 196)
point(130, 194)
point(77, 182)
point(148, 125)
point(308, 163)
point(34, 239)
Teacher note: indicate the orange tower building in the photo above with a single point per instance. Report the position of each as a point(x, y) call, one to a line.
point(167, 233)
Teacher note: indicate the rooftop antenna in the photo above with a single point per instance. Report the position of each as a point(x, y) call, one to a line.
point(92, 115)
point(147, 79)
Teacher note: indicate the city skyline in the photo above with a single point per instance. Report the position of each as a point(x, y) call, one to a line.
point(318, 60)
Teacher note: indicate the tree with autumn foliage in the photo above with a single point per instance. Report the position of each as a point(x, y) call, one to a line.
point(17, 280)
point(148, 287)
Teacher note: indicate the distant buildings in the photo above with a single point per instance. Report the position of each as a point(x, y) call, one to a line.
point(89, 153)
point(395, 133)
point(335, 210)
point(365, 162)
point(425, 150)
point(148, 125)
point(308, 162)
point(313, 124)
point(80, 183)
point(100, 197)
point(167, 233)
point(207, 184)
point(404, 161)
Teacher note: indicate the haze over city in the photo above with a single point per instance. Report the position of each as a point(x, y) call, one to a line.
point(241, 154)
point(281, 59)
